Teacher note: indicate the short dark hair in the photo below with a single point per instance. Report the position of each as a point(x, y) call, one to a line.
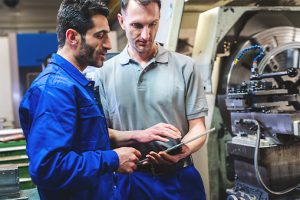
point(77, 15)
point(124, 3)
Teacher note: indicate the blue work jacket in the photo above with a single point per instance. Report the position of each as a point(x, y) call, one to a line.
point(67, 137)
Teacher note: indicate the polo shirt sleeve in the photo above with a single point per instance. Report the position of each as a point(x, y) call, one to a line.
point(196, 105)
point(49, 118)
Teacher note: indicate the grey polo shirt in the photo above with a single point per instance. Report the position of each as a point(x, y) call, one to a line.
point(168, 89)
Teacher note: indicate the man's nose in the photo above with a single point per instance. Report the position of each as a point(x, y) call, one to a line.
point(145, 33)
point(107, 43)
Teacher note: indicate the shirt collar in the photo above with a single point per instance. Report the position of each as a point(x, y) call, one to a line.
point(161, 56)
point(69, 68)
point(124, 56)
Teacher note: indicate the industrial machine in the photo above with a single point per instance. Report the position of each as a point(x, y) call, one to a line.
point(254, 64)
point(264, 114)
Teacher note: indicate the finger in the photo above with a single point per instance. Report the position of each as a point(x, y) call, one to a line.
point(159, 138)
point(146, 162)
point(153, 156)
point(152, 153)
point(151, 159)
point(169, 158)
point(167, 129)
point(158, 158)
point(135, 159)
point(168, 133)
point(143, 161)
point(138, 153)
point(170, 126)
point(134, 167)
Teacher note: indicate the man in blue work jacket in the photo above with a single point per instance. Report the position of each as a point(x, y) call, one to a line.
point(62, 118)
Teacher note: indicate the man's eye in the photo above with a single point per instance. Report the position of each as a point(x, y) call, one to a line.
point(137, 26)
point(100, 35)
point(153, 24)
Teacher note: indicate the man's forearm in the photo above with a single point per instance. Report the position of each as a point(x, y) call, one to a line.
point(123, 138)
point(197, 126)
point(158, 132)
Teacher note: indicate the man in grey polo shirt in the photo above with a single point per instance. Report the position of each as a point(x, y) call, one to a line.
point(148, 89)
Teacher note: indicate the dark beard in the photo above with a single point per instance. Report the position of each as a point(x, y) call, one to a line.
point(86, 55)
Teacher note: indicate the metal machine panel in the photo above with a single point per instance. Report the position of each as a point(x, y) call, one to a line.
point(9, 181)
point(272, 100)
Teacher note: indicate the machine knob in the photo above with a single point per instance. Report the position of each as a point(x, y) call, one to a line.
point(292, 72)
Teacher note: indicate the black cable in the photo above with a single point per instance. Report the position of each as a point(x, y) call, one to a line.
point(257, 173)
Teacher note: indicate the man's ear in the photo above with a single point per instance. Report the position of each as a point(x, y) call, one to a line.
point(72, 37)
point(121, 21)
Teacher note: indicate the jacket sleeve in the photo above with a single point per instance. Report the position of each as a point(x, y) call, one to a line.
point(50, 136)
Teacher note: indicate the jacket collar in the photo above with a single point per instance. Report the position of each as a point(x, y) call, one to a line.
point(69, 68)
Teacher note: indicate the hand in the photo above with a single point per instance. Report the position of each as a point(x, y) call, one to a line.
point(128, 157)
point(158, 132)
point(167, 159)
